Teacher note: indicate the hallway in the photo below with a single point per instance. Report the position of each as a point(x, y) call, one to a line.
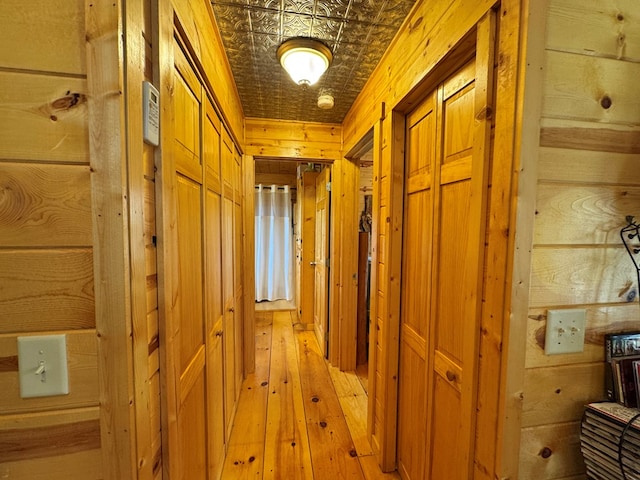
point(297, 417)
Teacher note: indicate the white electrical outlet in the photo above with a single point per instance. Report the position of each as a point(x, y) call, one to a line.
point(565, 331)
point(42, 365)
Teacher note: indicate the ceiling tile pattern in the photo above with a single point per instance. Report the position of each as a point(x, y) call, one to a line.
point(357, 32)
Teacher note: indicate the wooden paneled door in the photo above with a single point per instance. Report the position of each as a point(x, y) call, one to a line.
point(189, 345)
point(197, 331)
point(446, 172)
point(238, 274)
point(228, 282)
point(213, 296)
point(321, 286)
point(416, 288)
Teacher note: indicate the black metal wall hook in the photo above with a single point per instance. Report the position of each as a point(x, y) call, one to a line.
point(631, 229)
point(629, 233)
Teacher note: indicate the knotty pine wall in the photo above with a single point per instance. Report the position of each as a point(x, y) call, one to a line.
point(63, 224)
point(46, 238)
point(588, 180)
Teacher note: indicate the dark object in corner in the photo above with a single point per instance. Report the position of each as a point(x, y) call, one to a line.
point(631, 239)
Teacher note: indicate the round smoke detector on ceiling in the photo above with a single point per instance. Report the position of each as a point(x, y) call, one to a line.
point(325, 101)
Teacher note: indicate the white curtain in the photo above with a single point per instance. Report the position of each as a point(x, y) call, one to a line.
point(274, 243)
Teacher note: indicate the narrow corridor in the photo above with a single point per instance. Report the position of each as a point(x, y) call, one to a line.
point(297, 417)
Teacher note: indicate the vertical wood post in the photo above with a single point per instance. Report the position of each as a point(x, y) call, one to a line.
point(108, 159)
point(248, 175)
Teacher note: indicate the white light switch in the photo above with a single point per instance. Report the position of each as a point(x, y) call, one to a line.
point(565, 331)
point(42, 363)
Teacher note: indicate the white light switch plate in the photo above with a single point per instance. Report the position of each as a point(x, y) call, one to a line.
point(42, 363)
point(565, 331)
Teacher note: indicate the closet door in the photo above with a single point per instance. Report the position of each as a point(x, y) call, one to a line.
point(228, 280)
point(446, 171)
point(416, 288)
point(238, 272)
point(458, 243)
point(190, 353)
point(321, 284)
point(213, 296)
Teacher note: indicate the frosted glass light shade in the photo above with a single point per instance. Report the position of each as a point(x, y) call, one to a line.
point(304, 59)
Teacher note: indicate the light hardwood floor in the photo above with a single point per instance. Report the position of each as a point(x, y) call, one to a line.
point(297, 417)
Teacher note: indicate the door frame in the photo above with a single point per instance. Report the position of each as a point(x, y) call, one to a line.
point(321, 327)
point(343, 247)
point(343, 264)
point(346, 336)
point(389, 141)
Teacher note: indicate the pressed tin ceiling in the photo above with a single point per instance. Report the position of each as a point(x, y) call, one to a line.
point(357, 31)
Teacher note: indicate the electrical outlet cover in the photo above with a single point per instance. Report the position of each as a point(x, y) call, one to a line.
point(565, 331)
point(50, 353)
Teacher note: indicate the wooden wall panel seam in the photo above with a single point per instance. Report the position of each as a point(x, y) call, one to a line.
point(38, 442)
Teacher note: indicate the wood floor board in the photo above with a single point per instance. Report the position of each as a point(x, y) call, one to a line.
point(355, 414)
point(244, 461)
point(347, 384)
point(297, 417)
point(245, 449)
point(332, 450)
point(287, 453)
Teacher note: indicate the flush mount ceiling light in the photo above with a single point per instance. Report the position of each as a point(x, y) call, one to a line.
point(304, 59)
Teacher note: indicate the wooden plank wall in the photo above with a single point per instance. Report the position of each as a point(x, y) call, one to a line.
point(293, 140)
point(588, 181)
point(276, 172)
point(46, 238)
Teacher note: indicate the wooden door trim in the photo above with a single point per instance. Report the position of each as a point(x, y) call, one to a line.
point(167, 263)
point(385, 440)
point(343, 287)
point(520, 125)
point(108, 155)
point(485, 50)
point(249, 286)
point(373, 307)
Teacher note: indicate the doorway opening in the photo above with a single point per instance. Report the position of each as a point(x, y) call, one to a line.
point(365, 205)
point(318, 299)
point(274, 205)
point(362, 158)
point(274, 243)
